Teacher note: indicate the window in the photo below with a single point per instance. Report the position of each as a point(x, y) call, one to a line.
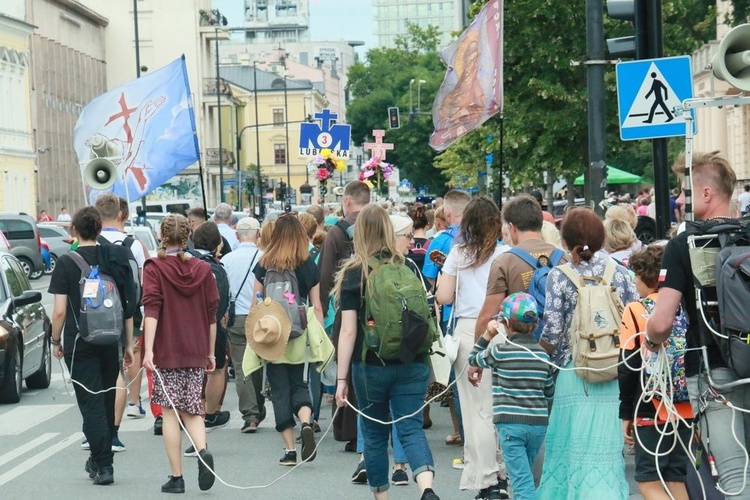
point(279, 154)
point(47, 232)
point(21, 276)
point(17, 229)
point(278, 116)
point(13, 282)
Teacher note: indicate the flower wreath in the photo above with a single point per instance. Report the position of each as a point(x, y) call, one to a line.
point(322, 167)
point(375, 168)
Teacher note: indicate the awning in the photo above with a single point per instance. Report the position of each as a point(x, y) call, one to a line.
point(615, 176)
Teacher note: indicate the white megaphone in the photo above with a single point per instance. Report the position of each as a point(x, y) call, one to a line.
point(338, 191)
point(731, 62)
point(100, 173)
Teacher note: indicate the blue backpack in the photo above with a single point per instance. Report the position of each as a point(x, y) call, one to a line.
point(538, 284)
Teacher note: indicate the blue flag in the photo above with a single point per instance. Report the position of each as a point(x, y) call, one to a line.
point(145, 127)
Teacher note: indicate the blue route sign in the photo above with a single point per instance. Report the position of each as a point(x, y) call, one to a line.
point(314, 137)
point(648, 92)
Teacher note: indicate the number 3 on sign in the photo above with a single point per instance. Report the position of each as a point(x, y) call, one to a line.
point(324, 140)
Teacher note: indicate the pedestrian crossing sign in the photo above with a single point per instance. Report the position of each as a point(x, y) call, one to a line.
point(648, 92)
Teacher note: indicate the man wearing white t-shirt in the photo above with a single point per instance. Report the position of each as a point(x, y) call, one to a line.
point(744, 201)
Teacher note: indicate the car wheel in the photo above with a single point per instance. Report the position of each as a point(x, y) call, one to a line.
point(11, 391)
point(42, 378)
point(52, 263)
point(27, 266)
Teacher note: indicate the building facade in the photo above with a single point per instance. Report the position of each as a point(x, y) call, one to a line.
point(69, 70)
point(18, 190)
point(390, 18)
point(277, 21)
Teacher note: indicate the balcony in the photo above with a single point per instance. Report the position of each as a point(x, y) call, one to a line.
point(209, 87)
point(212, 156)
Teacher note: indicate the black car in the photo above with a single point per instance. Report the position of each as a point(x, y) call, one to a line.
point(25, 332)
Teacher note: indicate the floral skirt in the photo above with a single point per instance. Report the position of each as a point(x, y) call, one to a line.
point(184, 387)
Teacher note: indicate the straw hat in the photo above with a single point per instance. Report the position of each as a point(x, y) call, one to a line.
point(267, 329)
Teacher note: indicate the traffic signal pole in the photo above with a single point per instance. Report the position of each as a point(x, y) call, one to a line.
point(595, 175)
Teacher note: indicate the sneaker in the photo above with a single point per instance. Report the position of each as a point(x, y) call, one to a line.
point(249, 427)
point(157, 425)
point(289, 459)
point(428, 494)
point(190, 452)
point(174, 485)
point(206, 477)
point(216, 420)
point(360, 474)
point(117, 444)
point(495, 492)
point(458, 463)
point(135, 411)
point(85, 444)
point(502, 489)
point(105, 475)
point(308, 443)
point(91, 468)
point(400, 477)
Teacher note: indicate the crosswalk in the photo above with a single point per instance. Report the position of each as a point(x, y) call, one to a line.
point(35, 460)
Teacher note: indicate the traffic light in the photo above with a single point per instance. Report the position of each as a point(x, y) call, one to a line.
point(394, 120)
point(635, 46)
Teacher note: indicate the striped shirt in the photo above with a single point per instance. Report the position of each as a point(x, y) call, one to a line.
point(521, 382)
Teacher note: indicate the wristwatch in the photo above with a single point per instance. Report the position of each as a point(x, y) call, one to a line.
point(650, 343)
point(54, 342)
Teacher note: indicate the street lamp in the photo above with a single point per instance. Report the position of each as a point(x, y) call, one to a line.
point(218, 104)
point(419, 95)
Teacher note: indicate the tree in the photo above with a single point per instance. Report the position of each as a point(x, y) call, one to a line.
point(545, 109)
point(384, 81)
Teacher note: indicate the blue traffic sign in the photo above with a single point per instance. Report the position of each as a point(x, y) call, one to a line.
point(648, 92)
point(314, 137)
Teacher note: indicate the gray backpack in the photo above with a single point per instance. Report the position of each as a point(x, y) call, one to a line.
point(100, 320)
point(733, 290)
point(283, 287)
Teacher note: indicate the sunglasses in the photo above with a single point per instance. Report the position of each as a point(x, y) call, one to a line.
point(407, 235)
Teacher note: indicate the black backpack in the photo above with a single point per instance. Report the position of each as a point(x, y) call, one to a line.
point(128, 242)
point(222, 281)
point(348, 230)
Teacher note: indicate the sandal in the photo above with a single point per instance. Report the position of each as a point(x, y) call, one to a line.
point(454, 439)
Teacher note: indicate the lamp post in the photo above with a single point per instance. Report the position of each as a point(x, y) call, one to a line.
point(261, 209)
point(218, 105)
point(419, 95)
point(137, 68)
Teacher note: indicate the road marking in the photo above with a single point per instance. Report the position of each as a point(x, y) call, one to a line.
point(13, 454)
point(23, 418)
point(32, 462)
point(129, 424)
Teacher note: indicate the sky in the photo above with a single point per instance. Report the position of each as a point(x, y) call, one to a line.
point(329, 19)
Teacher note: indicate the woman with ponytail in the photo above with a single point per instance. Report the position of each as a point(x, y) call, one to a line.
point(583, 457)
point(180, 300)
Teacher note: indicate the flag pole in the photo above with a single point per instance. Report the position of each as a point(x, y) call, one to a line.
point(203, 186)
point(195, 135)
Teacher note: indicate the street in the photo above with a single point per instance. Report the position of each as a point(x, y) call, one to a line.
point(40, 453)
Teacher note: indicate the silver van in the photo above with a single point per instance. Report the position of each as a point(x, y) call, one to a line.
point(25, 243)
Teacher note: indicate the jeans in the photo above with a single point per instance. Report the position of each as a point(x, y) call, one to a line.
point(521, 444)
point(399, 390)
point(251, 401)
point(96, 367)
point(316, 390)
point(716, 424)
point(399, 455)
point(289, 393)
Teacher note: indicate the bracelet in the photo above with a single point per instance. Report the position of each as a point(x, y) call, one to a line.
point(211, 357)
point(342, 379)
point(54, 342)
point(650, 342)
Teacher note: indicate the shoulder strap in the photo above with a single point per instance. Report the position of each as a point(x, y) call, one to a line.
point(102, 240)
point(572, 275)
point(344, 226)
point(556, 256)
point(525, 256)
point(128, 241)
point(250, 268)
point(81, 263)
point(609, 272)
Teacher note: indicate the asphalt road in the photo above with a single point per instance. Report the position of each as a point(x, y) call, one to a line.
point(40, 455)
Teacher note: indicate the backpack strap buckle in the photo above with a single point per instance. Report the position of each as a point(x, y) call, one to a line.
point(592, 343)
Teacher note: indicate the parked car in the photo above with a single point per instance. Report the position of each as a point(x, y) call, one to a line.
point(25, 244)
point(561, 206)
point(57, 238)
point(25, 333)
point(145, 235)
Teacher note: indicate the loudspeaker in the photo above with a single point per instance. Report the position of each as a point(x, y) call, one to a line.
point(338, 191)
point(731, 62)
point(100, 173)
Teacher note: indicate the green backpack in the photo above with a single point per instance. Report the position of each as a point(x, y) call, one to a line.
point(398, 323)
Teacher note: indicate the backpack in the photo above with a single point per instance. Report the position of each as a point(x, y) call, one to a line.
point(222, 281)
point(420, 249)
point(719, 253)
point(398, 321)
point(315, 254)
point(101, 318)
point(595, 329)
point(538, 284)
point(283, 287)
point(128, 242)
point(675, 349)
point(348, 230)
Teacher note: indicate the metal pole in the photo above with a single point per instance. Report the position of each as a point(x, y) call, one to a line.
point(261, 209)
point(660, 156)
point(286, 127)
point(501, 155)
point(237, 158)
point(595, 176)
point(218, 104)
point(137, 75)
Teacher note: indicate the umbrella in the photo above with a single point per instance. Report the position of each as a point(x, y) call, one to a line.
point(615, 176)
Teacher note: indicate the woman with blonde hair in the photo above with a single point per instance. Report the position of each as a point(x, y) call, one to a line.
point(264, 237)
point(620, 240)
point(382, 388)
point(287, 249)
point(180, 301)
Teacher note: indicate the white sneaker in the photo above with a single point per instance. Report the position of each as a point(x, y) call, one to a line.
point(85, 444)
point(135, 411)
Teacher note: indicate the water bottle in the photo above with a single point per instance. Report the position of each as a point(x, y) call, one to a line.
point(259, 297)
point(372, 341)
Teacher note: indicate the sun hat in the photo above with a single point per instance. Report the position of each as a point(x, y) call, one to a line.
point(400, 223)
point(248, 224)
point(519, 307)
point(267, 329)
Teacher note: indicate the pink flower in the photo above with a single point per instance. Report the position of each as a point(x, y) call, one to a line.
point(323, 174)
point(368, 173)
point(319, 160)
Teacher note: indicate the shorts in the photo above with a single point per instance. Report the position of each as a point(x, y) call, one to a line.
point(220, 347)
point(673, 466)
